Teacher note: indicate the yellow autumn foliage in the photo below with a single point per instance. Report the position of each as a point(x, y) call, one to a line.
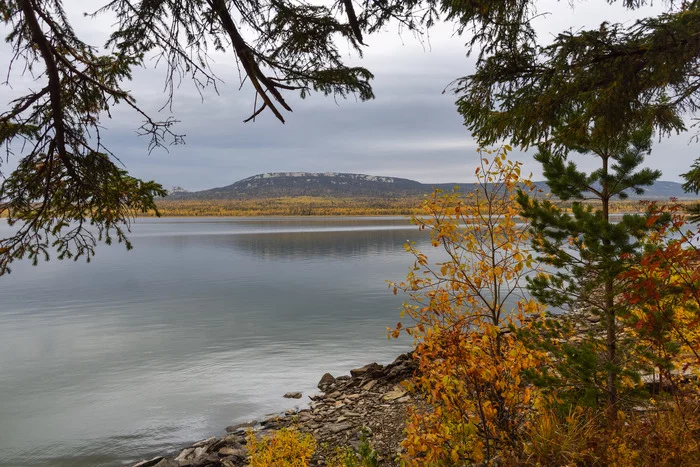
point(286, 447)
point(465, 308)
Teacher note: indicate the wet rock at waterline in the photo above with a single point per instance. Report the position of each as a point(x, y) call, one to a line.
point(372, 400)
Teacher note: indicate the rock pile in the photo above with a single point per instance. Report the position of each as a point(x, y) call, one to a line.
point(372, 399)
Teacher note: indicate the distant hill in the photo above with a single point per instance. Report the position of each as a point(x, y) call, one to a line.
point(292, 184)
point(348, 185)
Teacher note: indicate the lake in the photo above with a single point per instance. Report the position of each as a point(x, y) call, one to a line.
point(206, 323)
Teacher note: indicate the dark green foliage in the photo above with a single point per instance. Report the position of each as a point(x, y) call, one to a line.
point(577, 373)
point(65, 180)
point(574, 375)
point(601, 84)
point(588, 251)
point(67, 213)
point(620, 158)
point(692, 184)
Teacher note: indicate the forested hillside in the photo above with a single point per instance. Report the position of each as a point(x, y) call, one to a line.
point(348, 185)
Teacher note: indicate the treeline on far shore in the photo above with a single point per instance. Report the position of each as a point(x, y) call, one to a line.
point(319, 206)
point(291, 206)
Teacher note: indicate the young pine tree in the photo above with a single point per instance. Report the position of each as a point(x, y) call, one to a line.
point(586, 250)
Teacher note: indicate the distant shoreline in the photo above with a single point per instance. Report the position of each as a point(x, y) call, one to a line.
point(307, 206)
point(289, 206)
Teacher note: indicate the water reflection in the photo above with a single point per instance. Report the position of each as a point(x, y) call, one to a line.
point(200, 326)
point(293, 246)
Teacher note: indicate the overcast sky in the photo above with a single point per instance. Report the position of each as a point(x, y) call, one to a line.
point(410, 130)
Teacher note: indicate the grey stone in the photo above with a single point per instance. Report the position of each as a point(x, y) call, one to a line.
point(403, 358)
point(241, 426)
point(183, 455)
point(293, 395)
point(370, 369)
point(338, 427)
point(150, 462)
point(272, 423)
point(394, 394)
point(204, 442)
point(217, 445)
point(326, 380)
point(398, 370)
point(229, 451)
point(369, 385)
point(234, 438)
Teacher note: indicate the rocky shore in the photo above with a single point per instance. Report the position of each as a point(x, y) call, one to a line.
point(372, 399)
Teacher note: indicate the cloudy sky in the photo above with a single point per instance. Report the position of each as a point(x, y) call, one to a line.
point(410, 130)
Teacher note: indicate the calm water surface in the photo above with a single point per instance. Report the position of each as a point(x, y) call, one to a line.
point(206, 323)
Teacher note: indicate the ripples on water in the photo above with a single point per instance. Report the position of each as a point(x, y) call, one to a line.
point(207, 322)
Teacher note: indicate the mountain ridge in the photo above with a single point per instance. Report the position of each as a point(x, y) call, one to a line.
point(349, 185)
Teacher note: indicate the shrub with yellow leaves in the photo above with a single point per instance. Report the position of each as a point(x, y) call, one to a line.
point(286, 447)
point(465, 309)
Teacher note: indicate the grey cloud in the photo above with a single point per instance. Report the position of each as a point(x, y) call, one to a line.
point(410, 123)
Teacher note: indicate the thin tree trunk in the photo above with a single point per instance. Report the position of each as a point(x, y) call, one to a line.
point(611, 337)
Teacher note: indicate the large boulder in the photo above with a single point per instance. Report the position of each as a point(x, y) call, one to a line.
point(371, 370)
point(326, 381)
